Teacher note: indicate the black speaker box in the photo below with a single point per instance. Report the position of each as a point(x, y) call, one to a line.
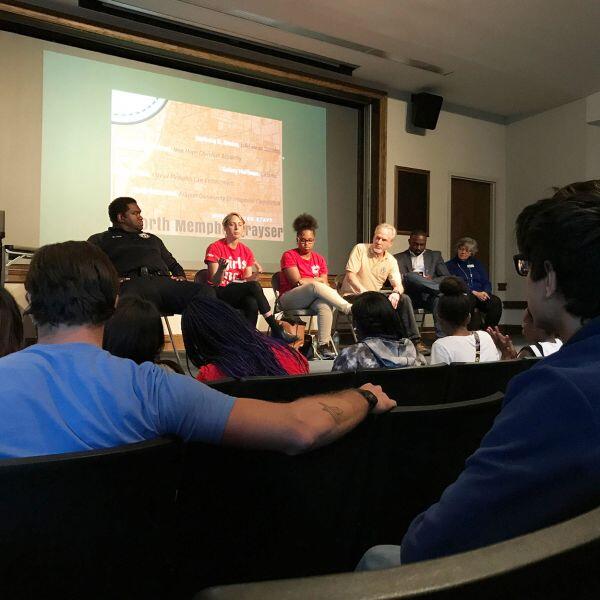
point(425, 110)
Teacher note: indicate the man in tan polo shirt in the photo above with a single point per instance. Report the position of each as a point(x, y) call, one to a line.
point(369, 267)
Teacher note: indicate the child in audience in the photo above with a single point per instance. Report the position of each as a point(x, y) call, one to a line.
point(541, 342)
point(135, 331)
point(11, 324)
point(460, 344)
point(221, 343)
point(383, 342)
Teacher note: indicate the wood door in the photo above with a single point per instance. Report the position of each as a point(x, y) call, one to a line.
point(471, 215)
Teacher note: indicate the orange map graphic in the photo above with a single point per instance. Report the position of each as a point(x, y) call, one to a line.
point(189, 165)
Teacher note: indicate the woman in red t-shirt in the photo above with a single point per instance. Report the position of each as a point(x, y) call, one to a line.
point(303, 282)
point(222, 344)
point(229, 264)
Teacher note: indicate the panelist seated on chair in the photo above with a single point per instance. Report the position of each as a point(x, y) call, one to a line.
point(422, 270)
point(145, 266)
point(382, 339)
point(303, 283)
point(473, 273)
point(369, 266)
point(229, 264)
point(221, 343)
point(67, 394)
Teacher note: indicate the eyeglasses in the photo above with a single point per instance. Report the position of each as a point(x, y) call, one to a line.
point(522, 265)
point(305, 241)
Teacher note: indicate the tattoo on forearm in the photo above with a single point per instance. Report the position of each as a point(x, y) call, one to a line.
point(335, 411)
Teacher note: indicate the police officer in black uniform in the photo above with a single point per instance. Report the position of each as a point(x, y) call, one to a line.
point(144, 264)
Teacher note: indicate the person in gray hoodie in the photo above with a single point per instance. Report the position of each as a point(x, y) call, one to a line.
point(383, 342)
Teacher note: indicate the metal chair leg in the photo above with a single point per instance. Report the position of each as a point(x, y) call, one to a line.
point(315, 339)
point(173, 342)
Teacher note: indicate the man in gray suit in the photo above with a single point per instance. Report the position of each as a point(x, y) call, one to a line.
point(422, 270)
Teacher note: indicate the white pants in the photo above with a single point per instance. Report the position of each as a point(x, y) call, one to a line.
point(322, 299)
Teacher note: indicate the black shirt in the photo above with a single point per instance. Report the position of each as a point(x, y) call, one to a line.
point(130, 251)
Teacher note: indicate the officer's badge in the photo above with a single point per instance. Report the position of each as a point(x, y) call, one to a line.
point(144, 235)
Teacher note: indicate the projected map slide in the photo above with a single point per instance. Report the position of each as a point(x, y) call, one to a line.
point(189, 165)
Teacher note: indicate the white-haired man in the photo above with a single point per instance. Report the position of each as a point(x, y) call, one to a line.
point(369, 266)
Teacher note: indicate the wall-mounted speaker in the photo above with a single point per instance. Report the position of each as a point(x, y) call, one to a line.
point(425, 109)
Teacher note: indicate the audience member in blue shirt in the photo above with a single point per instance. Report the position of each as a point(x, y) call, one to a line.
point(468, 268)
point(66, 394)
point(540, 462)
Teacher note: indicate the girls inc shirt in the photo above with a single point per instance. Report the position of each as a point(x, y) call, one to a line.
point(237, 259)
point(315, 266)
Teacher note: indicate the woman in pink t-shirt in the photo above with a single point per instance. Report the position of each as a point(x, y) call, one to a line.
point(303, 282)
point(229, 264)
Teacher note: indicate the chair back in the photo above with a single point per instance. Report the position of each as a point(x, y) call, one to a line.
point(89, 524)
point(409, 385)
point(554, 563)
point(474, 380)
point(318, 512)
point(288, 388)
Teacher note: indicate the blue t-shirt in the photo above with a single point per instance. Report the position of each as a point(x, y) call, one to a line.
point(60, 398)
point(538, 465)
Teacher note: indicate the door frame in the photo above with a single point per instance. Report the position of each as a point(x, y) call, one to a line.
point(493, 183)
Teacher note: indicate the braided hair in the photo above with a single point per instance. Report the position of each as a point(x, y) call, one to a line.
point(214, 332)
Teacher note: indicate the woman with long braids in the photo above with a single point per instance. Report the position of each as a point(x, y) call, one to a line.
point(229, 264)
point(303, 282)
point(222, 344)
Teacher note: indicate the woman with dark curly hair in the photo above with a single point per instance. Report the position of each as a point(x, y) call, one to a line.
point(303, 282)
point(223, 344)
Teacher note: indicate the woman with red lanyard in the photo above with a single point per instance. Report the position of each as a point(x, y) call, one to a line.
point(303, 282)
point(229, 264)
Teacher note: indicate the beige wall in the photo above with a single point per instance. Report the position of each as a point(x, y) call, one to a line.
point(553, 148)
point(20, 147)
point(459, 146)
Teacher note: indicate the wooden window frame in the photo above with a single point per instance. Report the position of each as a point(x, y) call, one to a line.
point(397, 171)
